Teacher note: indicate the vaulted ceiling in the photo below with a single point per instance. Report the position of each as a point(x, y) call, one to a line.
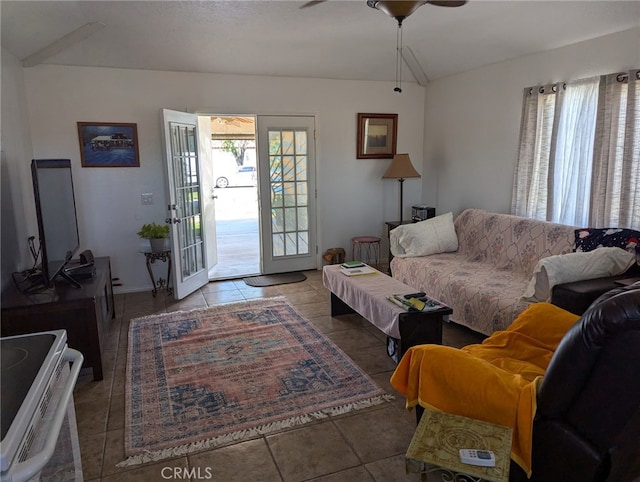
point(334, 39)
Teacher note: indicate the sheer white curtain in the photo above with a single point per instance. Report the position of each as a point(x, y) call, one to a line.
point(572, 153)
point(579, 154)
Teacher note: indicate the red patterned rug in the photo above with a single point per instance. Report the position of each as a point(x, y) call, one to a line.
point(204, 378)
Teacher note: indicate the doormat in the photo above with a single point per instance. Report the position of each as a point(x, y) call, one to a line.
point(274, 279)
point(204, 378)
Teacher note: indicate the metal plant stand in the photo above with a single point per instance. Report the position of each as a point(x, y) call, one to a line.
point(152, 257)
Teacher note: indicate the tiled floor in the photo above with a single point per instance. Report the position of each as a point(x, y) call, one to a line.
point(365, 445)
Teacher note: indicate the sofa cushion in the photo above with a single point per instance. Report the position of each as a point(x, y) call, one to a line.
point(565, 268)
point(483, 296)
point(510, 242)
point(432, 236)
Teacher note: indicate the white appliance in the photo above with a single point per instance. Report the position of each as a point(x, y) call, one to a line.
point(38, 423)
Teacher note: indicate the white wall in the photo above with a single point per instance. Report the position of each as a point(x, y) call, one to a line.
point(352, 198)
point(18, 216)
point(472, 120)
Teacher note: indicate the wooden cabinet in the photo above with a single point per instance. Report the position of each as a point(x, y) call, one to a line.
point(84, 312)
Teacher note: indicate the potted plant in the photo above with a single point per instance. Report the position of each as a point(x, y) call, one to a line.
point(156, 234)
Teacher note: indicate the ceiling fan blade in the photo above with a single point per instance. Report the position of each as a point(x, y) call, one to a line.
point(312, 3)
point(62, 43)
point(447, 3)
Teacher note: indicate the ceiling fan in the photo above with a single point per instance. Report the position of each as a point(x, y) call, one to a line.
point(394, 8)
point(400, 9)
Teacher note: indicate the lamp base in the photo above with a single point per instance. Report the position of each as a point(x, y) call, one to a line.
point(401, 181)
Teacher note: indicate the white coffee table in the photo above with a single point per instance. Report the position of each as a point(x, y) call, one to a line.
point(367, 295)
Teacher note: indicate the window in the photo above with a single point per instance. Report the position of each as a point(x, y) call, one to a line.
point(579, 153)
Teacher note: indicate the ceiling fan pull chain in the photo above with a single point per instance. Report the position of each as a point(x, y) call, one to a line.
point(398, 87)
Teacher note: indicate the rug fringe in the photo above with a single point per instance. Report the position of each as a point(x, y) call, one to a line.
point(241, 435)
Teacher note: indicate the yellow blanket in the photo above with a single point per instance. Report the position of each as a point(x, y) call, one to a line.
point(494, 381)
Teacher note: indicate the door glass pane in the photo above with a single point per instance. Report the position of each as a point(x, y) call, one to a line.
point(289, 194)
point(189, 217)
point(301, 194)
point(275, 143)
point(277, 220)
point(288, 168)
point(278, 244)
point(301, 168)
point(303, 241)
point(301, 142)
point(291, 247)
point(303, 219)
point(275, 167)
point(287, 141)
point(290, 219)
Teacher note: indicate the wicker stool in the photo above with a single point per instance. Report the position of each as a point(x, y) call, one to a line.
point(366, 249)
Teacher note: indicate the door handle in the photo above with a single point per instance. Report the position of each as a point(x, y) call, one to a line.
point(172, 221)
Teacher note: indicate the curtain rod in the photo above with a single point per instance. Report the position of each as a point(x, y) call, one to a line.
point(552, 88)
point(546, 88)
point(624, 76)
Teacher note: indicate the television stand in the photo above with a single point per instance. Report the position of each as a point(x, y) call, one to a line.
point(85, 313)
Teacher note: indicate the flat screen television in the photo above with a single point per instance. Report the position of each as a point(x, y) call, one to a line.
point(56, 213)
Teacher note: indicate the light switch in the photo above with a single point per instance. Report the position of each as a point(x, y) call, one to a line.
point(146, 198)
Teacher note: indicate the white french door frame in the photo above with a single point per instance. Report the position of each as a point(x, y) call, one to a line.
point(185, 196)
point(287, 192)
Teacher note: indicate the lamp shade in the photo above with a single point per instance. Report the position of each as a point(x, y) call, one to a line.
point(400, 168)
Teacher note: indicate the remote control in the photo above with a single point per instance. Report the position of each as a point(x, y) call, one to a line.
point(420, 294)
point(484, 458)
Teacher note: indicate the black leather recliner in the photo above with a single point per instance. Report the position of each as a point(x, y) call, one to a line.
point(587, 423)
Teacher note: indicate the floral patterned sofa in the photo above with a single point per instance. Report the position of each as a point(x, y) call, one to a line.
point(484, 280)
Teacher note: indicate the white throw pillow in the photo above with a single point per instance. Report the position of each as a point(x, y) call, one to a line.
point(566, 268)
point(435, 235)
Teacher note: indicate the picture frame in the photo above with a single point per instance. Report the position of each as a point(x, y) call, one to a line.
point(108, 144)
point(377, 136)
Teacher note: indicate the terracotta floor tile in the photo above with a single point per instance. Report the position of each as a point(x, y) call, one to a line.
point(249, 460)
point(392, 469)
point(174, 469)
point(356, 474)
point(311, 452)
point(377, 434)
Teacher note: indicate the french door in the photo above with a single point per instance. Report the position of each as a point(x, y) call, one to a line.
point(188, 248)
point(286, 156)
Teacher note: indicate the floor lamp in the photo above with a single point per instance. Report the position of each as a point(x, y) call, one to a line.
point(400, 169)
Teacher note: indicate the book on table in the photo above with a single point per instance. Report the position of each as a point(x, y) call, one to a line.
point(353, 264)
point(359, 271)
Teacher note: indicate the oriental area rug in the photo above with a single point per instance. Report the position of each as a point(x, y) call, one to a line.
point(200, 379)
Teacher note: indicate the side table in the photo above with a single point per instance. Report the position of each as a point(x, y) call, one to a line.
point(440, 436)
point(152, 257)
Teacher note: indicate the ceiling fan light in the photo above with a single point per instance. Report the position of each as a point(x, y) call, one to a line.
point(398, 9)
